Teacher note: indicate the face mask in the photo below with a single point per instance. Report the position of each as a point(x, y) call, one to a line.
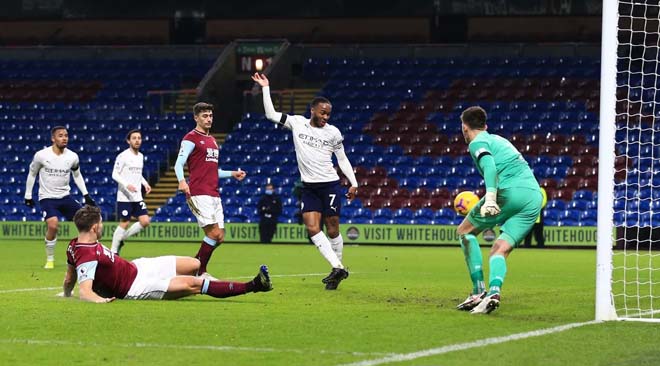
point(269, 191)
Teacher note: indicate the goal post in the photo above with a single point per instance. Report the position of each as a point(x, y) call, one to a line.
point(604, 302)
point(628, 275)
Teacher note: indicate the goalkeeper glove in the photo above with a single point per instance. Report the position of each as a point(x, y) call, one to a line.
point(89, 201)
point(490, 207)
point(29, 202)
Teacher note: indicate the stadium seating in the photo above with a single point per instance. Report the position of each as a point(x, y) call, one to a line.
point(399, 117)
point(99, 102)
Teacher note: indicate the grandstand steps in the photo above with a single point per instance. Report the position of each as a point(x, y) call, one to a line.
point(220, 138)
point(301, 99)
point(182, 104)
point(168, 185)
point(165, 188)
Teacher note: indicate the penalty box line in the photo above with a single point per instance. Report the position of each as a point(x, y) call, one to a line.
point(468, 345)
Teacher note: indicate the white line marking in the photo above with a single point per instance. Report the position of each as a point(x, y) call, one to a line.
point(463, 346)
point(29, 289)
point(299, 275)
point(38, 342)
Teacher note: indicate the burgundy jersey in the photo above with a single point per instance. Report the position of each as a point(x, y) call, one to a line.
point(203, 164)
point(112, 275)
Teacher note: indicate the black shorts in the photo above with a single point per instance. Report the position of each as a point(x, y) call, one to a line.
point(65, 206)
point(322, 197)
point(127, 209)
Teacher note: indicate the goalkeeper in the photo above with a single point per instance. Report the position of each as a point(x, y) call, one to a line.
point(513, 201)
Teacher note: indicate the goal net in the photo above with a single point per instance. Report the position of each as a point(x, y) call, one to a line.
point(628, 270)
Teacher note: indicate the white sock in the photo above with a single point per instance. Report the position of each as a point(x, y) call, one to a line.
point(50, 249)
point(338, 246)
point(117, 237)
point(322, 242)
point(134, 229)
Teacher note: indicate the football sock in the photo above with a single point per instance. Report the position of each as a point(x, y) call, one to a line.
point(222, 289)
point(50, 249)
point(322, 242)
point(338, 246)
point(474, 261)
point(134, 229)
point(497, 273)
point(117, 237)
point(204, 254)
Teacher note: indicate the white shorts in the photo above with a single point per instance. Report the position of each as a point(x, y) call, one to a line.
point(153, 278)
point(207, 210)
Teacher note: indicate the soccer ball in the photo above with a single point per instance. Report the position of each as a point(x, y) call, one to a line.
point(464, 202)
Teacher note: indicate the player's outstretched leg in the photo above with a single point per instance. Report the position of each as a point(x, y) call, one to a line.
point(222, 289)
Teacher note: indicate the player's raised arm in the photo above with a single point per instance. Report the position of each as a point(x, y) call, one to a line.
point(80, 182)
point(347, 169)
point(35, 166)
point(271, 114)
point(185, 150)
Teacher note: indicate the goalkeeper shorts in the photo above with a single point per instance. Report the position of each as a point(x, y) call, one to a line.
point(520, 208)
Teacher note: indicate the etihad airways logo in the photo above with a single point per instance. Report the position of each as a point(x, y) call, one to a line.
point(314, 141)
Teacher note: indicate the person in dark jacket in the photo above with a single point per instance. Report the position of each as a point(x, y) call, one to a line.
point(270, 208)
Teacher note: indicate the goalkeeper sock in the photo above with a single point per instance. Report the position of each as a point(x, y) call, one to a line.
point(338, 246)
point(322, 242)
point(50, 249)
point(117, 237)
point(134, 229)
point(204, 254)
point(497, 265)
point(474, 261)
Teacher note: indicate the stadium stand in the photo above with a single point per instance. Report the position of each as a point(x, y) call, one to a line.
point(400, 119)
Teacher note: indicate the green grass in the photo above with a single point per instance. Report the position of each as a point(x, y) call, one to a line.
point(397, 300)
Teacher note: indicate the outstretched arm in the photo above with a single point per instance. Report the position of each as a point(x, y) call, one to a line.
point(236, 174)
point(347, 169)
point(271, 114)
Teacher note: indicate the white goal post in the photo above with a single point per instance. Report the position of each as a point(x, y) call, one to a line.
point(628, 273)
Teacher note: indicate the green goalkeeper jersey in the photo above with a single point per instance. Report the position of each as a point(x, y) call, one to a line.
point(512, 171)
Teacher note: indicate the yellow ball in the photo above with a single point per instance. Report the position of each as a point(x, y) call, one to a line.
point(464, 201)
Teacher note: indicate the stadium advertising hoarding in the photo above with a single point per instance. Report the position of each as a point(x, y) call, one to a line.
point(294, 233)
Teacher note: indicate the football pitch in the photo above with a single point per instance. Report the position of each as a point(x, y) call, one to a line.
point(396, 308)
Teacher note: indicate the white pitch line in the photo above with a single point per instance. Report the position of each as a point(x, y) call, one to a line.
point(468, 345)
point(38, 342)
point(29, 289)
point(288, 275)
